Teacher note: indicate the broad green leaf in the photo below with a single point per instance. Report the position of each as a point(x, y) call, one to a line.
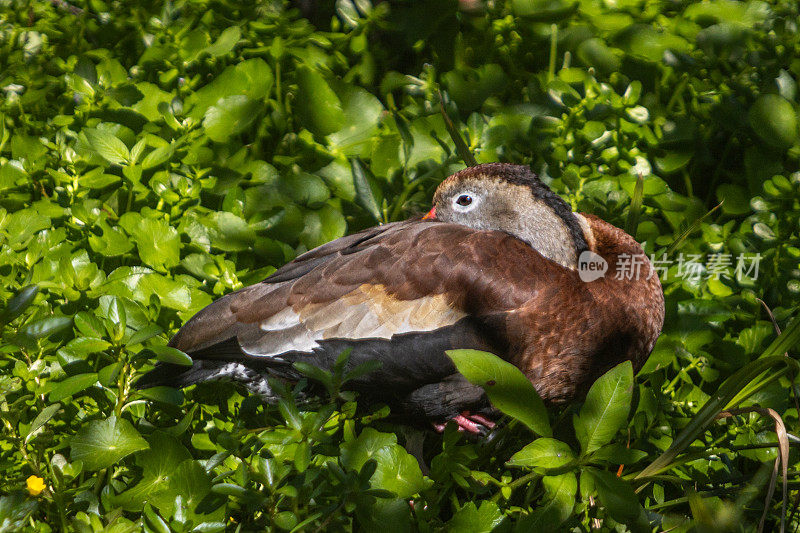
point(71, 386)
point(305, 189)
point(11, 173)
point(101, 443)
point(365, 196)
point(606, 408)
point(193, 484)
point(396, 471)
point(47, 326)
point(545, 453)
point(17, 305)
point(318, 107)
point(556, 507)
point(116, 319)
point(157, 242)
point(83, 346)
point(15, 510)
point(774, 121)
point(108, 146)
point(507, 388)
point(144, 334)
point(112, 243)
point(107, 376)
point(154, 521)
point(168, 354)
point(230, 116)
point(362, 116)
point(474, 519)
point(225, 42)
point(89, 325)
point(620, 501)
point(252, 78)
point(167, 395)
point(322, 225)
point(158, 464)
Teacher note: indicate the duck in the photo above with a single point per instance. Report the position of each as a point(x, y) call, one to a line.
point(500, 263)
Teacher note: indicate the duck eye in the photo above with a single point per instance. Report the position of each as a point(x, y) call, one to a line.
point(464, 200)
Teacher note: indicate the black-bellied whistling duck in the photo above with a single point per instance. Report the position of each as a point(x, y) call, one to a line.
point(493, 266)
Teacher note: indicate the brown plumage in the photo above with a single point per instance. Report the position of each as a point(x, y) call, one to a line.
point(496, 269)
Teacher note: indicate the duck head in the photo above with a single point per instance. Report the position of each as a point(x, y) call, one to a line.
point(510, 198)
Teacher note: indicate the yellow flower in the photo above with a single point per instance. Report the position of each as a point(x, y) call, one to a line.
point(35, 485)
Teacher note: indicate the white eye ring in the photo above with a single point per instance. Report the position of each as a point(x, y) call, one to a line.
point(466, 201)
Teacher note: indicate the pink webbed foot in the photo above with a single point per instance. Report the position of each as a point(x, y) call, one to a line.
point(467, 422)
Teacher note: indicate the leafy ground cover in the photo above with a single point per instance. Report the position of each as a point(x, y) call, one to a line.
point(156, 155)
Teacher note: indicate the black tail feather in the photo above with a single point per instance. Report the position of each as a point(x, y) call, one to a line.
point(172, 375)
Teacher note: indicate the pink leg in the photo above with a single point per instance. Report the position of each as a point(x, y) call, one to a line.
point(480, 419)
point(467, 422)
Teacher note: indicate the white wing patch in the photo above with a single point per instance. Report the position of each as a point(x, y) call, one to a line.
point(368, 312)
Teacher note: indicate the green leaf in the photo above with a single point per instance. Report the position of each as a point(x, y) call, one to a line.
point(41, 419)
point(17, 305)
point(84, 346)
point(101, 443)
point(158, 464)
point(474, 519)
point(167, 395)
point(147, 332)
point(112, 243)
point(507, 388)
point(15, 509)
point(774, 121)
point(107, 146)
point(365, 196)
point(606, 408)
point(318, 107)
point(305, 189)
point(71, 386)
point(620, 501)
point(107, 376)
point(555, 507)
point(193, 483)
point(168, 354)
point(153, 521)
point(158, 243)
point(47, 326)
point(321, 226)
point(545, 453)
point(362, 115)
point(252, 78)
point(230, 116)
point(396, 471)
point(116, 318)
point(225, 42)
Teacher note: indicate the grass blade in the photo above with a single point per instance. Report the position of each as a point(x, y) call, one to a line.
point(632, 223)
point(461, 146)
point(727, 392)
point(696, 224)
